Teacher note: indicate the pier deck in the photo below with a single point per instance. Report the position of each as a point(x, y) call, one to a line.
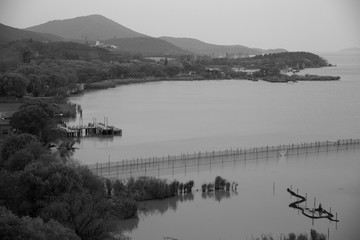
point(92, 129)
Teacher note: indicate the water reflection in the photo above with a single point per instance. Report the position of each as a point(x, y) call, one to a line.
point(218, 195)
point(161, 206)
point(153, 207)
point(128, 225)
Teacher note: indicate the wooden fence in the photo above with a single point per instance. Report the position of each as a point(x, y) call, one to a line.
point(167, 165)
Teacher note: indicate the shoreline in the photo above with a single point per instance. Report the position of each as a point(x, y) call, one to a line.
point(112, 83)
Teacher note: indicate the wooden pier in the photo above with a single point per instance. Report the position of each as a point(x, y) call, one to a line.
point(92, 129)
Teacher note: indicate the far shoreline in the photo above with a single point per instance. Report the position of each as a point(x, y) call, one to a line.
point(112, 83)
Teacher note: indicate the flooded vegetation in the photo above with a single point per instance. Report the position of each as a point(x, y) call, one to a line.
point(259, 205)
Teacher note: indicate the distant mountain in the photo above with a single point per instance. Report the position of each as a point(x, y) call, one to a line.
point(353, 49)
point(92, 28)
point(96, 27)
point(146, 46)
point(200, 47)
point(268, 51)
point(8, 33)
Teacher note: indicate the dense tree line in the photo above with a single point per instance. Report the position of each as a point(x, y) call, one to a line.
point(49, 195)
point(52, 69)
point(45, 195)
point(273, 60)
point(39, 117)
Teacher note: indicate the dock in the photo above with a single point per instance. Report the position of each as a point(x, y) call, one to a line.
point(91, 129)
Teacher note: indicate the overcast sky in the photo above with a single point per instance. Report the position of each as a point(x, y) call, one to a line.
point(311, 25)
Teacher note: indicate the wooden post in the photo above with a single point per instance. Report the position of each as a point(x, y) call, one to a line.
point(158, 169)
point(297, 149)
point(210, 162)
point(109, 166)
point(274, 188)
point(267, 151)
point(185, 162)
point(327, 146)
point(145, 168)
point(117, 169)
point(130, 165)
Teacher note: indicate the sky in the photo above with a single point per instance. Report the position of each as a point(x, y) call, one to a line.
point(296, 25)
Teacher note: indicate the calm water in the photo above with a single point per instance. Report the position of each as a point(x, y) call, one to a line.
point(174, 117)
point(256, 208)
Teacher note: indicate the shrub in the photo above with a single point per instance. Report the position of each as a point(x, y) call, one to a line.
point(124, 207)
point(13, 227)
point(203, 187)
point(219, 183)
point(210, 187)
point(188, 186)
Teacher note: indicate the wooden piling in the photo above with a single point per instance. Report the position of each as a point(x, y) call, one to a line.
point(274, 188)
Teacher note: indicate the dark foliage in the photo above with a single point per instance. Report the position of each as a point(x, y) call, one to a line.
point(12, 228)
point(36, 184)
point(16, 143)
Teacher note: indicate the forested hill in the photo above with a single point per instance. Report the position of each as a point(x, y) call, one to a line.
point(291, 59)
point(10, 34)
point(13, 53)
point(54, 68)
point(146, 46)
point(203, 48)
point(90, 28)
point(275, 60)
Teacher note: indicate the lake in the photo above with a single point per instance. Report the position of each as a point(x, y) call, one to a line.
point(179, 117)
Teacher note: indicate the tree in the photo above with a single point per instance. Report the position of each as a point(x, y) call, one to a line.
point(19, 160)
point(32, 119)
point(13, 85)
point(66, 149)
point(45, 181)
point(13, 227)
point(15, 143)
point(90, 181)
point(36, 85)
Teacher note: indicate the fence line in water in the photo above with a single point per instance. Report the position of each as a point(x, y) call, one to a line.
point(167, 165)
